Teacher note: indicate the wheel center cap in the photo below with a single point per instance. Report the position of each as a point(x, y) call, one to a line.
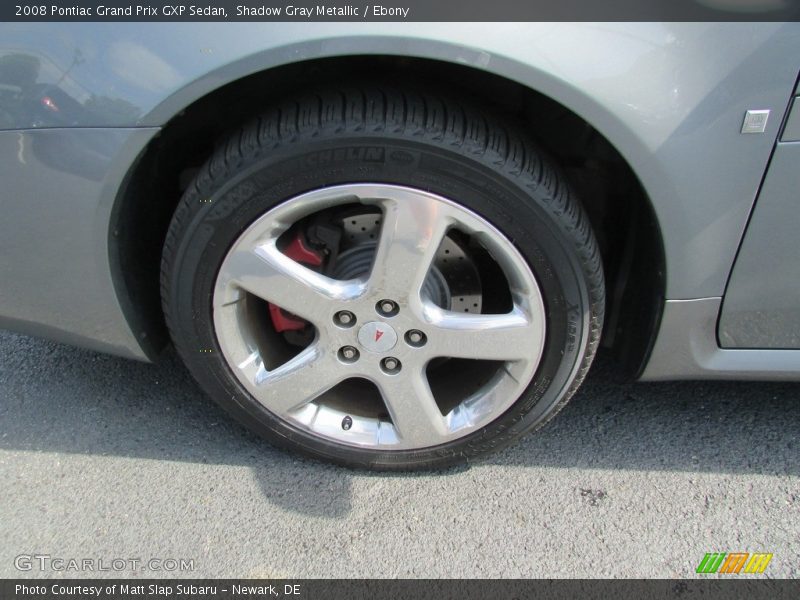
point(377, 337)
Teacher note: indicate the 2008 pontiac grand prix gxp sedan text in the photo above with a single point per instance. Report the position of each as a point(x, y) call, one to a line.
point(400, 245)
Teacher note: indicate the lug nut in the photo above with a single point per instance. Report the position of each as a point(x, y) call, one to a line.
point(416, 338)
point(387, 308)
point(348, 354)
point(390, 365)
point(344, 318)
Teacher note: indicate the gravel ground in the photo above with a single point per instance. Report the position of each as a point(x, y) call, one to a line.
point(106, 458)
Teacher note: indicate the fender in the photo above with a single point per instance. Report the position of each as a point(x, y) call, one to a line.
point(669, 97)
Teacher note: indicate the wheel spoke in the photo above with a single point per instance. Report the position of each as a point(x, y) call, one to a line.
point(415, 415)
point(507, 337)
point(275, 277)
point(298, 381)
point(413, 227)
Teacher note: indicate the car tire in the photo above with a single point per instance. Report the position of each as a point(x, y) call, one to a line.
point(385, 146)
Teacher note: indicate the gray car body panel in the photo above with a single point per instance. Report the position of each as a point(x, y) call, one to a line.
point(686, 348)
point(762, 304)
point(669, 97)
point(791, 131)
point(59, 187)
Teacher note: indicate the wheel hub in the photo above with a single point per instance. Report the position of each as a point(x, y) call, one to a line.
point(377, 337)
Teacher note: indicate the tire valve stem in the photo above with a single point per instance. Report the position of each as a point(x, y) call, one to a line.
point(347, 423)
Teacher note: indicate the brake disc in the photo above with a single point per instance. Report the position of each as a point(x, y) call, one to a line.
point(453, 282)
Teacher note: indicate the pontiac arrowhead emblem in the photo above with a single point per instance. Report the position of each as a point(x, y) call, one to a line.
point(377, 337)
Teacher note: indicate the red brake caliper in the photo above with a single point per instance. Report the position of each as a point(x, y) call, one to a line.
point(297, 250)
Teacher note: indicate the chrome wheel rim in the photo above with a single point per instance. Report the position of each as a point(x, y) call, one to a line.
point(393, 332)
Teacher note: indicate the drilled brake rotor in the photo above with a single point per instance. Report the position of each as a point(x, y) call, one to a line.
point(453, 283)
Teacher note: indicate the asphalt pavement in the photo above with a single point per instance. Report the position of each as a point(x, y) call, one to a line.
point(107, 459)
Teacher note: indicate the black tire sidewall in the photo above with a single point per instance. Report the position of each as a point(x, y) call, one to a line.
point(523, 212)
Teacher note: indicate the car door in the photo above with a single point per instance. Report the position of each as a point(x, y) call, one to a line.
point(761, 308)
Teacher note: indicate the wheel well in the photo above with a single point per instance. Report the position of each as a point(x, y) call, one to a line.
point(620, 212)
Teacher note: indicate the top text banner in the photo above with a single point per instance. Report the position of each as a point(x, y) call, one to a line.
point(404, 10)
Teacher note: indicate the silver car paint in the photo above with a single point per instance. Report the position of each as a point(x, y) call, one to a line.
point(686, 348)
point(791, 132)
point(56, 200)
point(762, 304)
point(670, 97)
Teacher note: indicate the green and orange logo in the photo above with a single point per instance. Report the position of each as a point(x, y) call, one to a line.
point(734, 563)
